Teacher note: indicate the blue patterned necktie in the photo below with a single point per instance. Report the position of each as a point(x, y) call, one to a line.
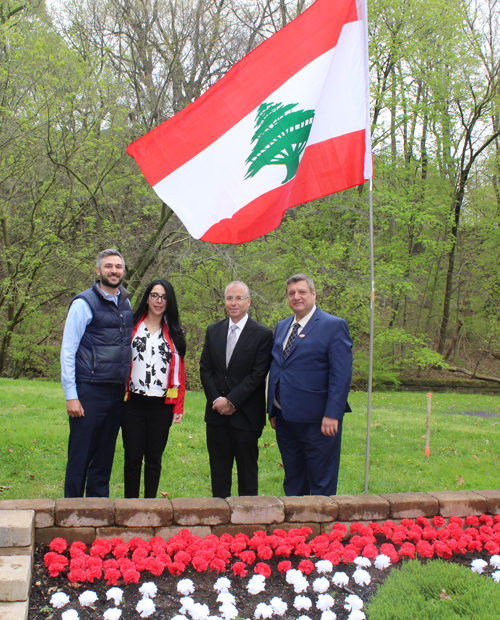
point(290, 341)
point(286, 353)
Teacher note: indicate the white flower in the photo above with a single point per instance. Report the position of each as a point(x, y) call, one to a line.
point(340, 579)
point(361, 577)
point(228, 611)
point(112, 614)
point(226, 597)
point(293, 575)
point(263, 611)
point(328, 615)
point(209, 618)
point(302, 602)
point(279, 606)
point(145, 607)
point(477, 566)
point(324, 566)
point(382, 561)
point(496, 576)
point(87, 598)
point(256, 584)
point(356, 614)
point(148, 589)
point(495, 561)
point(353, 602)
point(362, 562)
point(59, 599)
point(199, 611)
point(222, 584)
point(321, 584)
point(187, 604)
point(179, 617)
point(71, 614)
point(185, 587)
point(325, 601)
point(116, 594)
point(303, 618)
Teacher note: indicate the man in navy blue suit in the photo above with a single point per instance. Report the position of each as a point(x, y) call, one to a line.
point(309, 383)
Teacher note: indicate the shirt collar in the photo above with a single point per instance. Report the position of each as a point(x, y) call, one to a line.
point(305, 319)
point(241, 323)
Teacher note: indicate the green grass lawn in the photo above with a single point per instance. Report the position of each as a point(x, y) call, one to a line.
point(464, 448)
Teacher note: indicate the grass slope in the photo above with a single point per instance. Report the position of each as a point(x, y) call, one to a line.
point(464, 448)
point(436, 590)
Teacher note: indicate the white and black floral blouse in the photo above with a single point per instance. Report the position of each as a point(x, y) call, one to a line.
point(151, 357)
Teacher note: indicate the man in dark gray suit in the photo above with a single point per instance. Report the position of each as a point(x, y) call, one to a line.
point(233, 367)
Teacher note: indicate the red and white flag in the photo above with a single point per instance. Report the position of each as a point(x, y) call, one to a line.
point(287, 124)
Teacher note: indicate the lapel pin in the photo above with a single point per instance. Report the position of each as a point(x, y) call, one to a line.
point(302, 335)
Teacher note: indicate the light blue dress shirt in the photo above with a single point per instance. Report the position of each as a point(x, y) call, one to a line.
point(79, 316)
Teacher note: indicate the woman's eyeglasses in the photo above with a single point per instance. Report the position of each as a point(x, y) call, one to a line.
point(157, 295)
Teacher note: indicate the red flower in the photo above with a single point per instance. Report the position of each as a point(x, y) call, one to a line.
point(492, 548)
point(303, 549)
point(248, 557)
point(407, 550)
point(442, 550)
point(110, 564)
point(429, 533)
point(94, 572)
point(217, 565)
point(262, 569)
point(78, 562)
point(333, 557)
point(139, 558)
point(237, 546)
point(182, 557)
point(121, 550)
point(54, 558)
point(200, 563)
point(370, 551)
point(264, 552)
point(77, 548)
point(472, 521)
point(375, 527)
point(424, 549)
point(349, 555)
point(136, 543)
point(112, 575)
point(176, 568)
point(116, 540)
point(284, 566)
point(284, 550)
point(306, 567)
point(77, 576)
point(55, 569)
point(59, 545)
point(154, 566)
point(239, 568)
point(438, 521)
point(457, 520)
point(131, 576)
point(357, 528)
point(100, 547)
point(226, 538)
point(336, 535)
point(423, 521)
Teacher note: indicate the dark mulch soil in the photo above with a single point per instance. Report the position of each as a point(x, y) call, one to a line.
point(167, 598)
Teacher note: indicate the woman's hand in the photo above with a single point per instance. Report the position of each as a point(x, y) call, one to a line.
point(178, 417)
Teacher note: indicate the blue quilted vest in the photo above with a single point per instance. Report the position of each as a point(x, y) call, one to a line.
point(104, 354)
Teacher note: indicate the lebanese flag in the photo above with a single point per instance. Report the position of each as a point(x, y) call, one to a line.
point(287, 124)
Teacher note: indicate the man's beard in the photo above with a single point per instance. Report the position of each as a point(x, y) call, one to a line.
point(106, 282)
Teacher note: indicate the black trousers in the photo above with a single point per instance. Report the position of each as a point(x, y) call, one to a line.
point(145, 427)
point(92, 439)
point(225, 445)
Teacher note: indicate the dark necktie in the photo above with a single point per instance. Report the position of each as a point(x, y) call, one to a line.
point(286, 353)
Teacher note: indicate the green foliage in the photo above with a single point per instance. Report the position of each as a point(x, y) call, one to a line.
point(433, 590)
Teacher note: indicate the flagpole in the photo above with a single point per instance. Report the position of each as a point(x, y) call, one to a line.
point(370, 354)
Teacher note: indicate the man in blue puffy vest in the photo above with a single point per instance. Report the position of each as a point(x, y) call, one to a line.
point(95, 364)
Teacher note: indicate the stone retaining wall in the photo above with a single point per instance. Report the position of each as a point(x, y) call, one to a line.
point(90, 518)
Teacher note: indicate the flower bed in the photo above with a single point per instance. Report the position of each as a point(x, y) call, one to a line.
point(302, 571)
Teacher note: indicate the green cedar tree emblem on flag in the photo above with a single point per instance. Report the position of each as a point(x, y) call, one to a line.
point(280, 137)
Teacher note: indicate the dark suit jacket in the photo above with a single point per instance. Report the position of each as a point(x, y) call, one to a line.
point(315, 378)
point(243, 381)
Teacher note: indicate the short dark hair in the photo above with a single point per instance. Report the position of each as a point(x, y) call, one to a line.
point(110, 252)
point(299, 277)
point(171, 315)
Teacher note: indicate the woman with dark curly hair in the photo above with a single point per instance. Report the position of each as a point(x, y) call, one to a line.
point(156, 386)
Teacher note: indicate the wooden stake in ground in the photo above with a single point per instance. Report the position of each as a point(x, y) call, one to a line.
point(428, 433)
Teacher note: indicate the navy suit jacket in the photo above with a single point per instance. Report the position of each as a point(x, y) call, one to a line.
point(316, 376)
point(243, 382)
